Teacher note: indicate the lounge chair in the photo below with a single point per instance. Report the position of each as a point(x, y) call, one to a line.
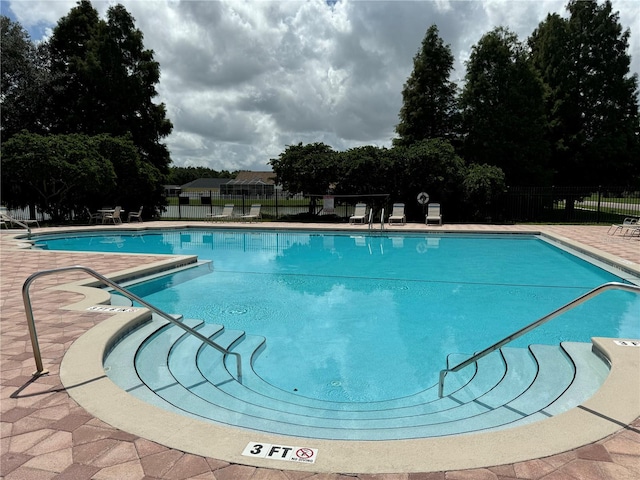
point(633, 230)
point(397, 214)
point(254, 213)
point(433, 214)
point(137, 215)
point(626, 223)
point(114, 217)
point(227, 212)
point(360, 214)
point(6, 218)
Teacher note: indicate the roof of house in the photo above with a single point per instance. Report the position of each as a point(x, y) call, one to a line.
point(265, 177)
point(205, 183)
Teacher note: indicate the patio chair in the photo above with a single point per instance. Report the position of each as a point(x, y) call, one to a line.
point(93, 217)
point(137, 215)
point(433, 214)
point(360, 214)
point(254, 213)
point(626, 223)
point(114, 217)
point(227, 212)
point(397, 214)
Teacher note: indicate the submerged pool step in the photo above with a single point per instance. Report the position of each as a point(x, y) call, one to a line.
point(176, 371)
point(290, 414)
point(221, 390)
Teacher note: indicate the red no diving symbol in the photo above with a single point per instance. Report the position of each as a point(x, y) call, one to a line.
point(304, 453)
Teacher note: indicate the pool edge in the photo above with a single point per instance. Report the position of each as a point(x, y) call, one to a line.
point(615, 405)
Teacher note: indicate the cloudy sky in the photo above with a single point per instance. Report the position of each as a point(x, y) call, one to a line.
point(243, 79)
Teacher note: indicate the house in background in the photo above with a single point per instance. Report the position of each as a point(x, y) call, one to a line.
point(203, 186)
point(251, 184)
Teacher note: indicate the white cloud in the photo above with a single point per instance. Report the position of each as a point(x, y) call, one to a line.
point(243, 79)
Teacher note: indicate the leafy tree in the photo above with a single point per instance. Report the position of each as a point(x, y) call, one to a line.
point(24, 74)
point(63, 174)
point(591, 100)
point(55, 173)
point(308, 169)
point(482, 184)
point(503, 110)
point(431, 166)
point(364, 170)
point(103, 82)
point(428, 96)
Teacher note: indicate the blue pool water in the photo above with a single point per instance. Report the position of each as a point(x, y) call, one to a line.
point(373, 317)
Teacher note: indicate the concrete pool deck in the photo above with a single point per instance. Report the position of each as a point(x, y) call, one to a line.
point(46, 434)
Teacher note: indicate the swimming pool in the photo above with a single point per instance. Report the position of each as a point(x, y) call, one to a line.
point(373, 317)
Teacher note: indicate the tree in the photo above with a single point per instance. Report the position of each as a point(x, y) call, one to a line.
point(503, 110)
point(428, 96)
point(103, 82)
point(308, 169)
point(482, 184)
point(55, 173)
point(591, 100)
point(62, 174)
point(24, 75)
point(431, 166)
point(364, 170)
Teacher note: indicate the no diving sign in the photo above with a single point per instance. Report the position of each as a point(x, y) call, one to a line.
point(280, 452)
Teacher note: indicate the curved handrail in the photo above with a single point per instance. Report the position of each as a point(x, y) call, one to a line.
point(123, 291)
point(572, 304)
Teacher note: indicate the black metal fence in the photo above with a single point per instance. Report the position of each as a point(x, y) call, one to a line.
point(592, 205)
point(584, 205)
point(566, 205)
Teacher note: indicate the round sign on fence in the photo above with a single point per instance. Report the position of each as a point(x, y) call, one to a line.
point(423, 198)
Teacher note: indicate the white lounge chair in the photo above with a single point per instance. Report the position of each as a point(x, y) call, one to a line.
point(137, 215)
point(433, 214)
point(360, 214)
point(227, 212)
point(626, 223)
point(253, 214)
point(114, 217)
point(397, 214)
point(6, 218)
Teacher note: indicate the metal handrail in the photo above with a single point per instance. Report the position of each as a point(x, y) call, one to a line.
point(572, 304)
point(123, 291)
point(6, 218)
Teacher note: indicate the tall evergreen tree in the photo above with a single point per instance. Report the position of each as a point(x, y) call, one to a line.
point(592, 100)
point(503, 111)
point(24, 74)
point(428, 96)
point(105, 81)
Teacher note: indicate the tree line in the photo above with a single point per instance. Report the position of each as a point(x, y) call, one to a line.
point(80, 127)
point(558, 109)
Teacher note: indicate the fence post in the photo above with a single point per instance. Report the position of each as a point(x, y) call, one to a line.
point(599, 198)
point(276, 195)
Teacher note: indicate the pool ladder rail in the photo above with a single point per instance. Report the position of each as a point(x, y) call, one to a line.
point(131, 296)
point(565, 308)
point(370, 226)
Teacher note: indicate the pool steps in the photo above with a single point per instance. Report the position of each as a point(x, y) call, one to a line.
point(162, 365)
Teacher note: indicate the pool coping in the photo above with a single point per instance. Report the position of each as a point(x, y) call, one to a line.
point(614, 406)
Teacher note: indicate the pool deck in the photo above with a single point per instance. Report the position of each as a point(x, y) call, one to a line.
point(45, 434)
